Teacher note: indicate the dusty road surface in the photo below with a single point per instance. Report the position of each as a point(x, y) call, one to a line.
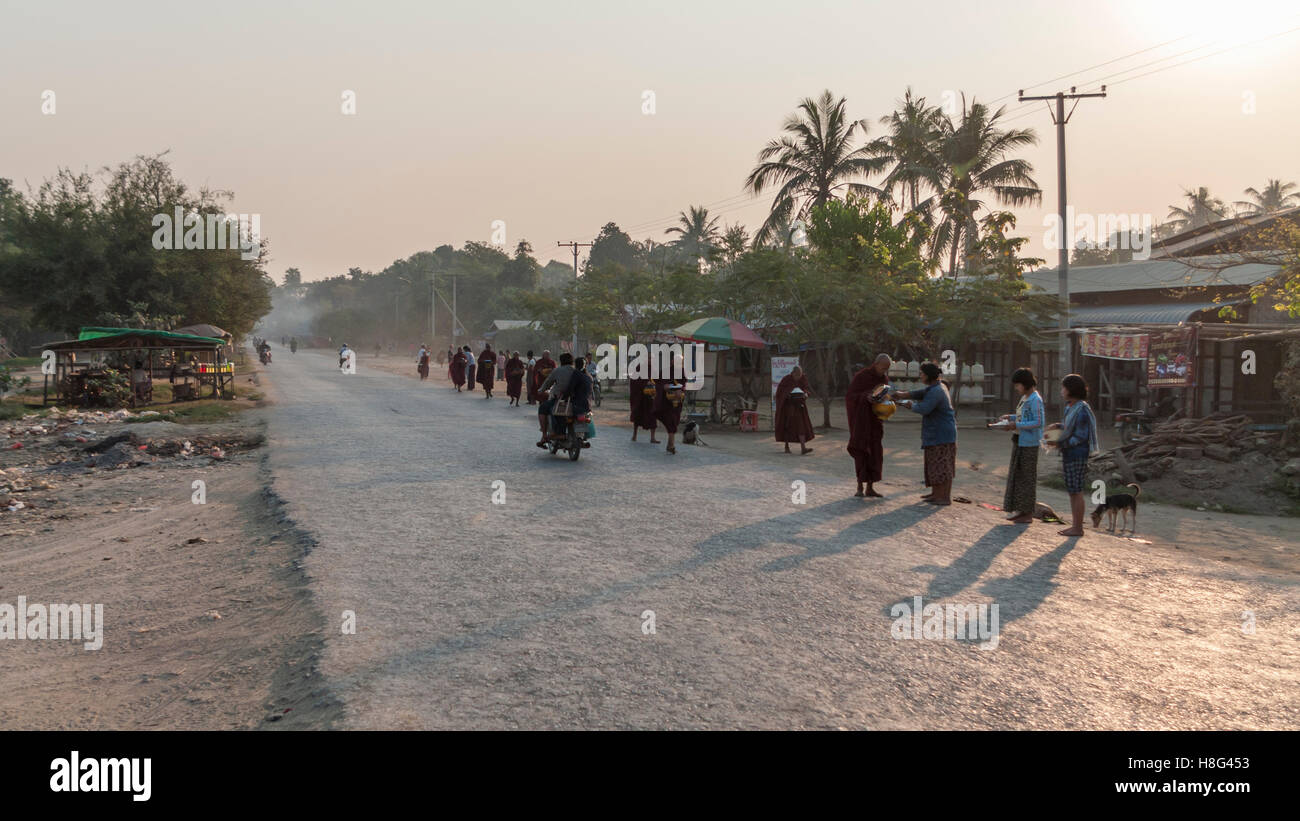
point(767, 613)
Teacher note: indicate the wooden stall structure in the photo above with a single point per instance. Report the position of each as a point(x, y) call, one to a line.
point(191, 363)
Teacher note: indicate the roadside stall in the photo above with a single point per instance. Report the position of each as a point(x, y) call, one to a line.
point(111, 366)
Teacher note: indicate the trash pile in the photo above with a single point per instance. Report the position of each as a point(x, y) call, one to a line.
point(74, 440)
point(1217, 462)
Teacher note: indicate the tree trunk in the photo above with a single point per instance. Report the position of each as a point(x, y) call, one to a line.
point(827, 358)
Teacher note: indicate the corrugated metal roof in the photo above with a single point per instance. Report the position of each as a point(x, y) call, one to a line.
point(1166, 314)
point(1152, 273)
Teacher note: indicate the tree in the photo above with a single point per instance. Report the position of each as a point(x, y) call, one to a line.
point(698, 236)
point(973, 155)
point(81, 249)
point(613, 245)
point(857, 284)
point(1276, 196)
point(522, 271)
point(811, 163)
point(292, 278)
point(1202, 209)
point(991, 302)
point(910, 145)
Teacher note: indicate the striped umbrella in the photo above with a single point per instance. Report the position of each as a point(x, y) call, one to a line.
point(720, 331)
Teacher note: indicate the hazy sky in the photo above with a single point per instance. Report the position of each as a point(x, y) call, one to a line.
point(531, 112)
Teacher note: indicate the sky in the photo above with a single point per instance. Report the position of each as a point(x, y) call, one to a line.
point(534, 113)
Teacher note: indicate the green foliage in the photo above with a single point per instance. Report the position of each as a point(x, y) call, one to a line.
point(9, 382)
point(80, 249)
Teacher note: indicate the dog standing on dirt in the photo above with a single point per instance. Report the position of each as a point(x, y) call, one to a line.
point(1119, 505)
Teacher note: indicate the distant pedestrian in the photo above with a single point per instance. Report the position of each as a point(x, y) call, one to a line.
point(471, 368)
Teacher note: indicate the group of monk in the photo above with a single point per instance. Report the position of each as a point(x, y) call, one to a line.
point(656, 402)
point(469, 372)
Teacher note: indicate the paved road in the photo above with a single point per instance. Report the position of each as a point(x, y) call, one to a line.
point(768, 614)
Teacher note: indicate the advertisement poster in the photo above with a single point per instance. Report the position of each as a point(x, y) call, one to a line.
point(1116, 346)
point(1170, 360)
point(781, 367)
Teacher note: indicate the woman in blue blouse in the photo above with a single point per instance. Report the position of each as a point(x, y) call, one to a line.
point(1022, 477)
point(938, 433)
point(1078, 441)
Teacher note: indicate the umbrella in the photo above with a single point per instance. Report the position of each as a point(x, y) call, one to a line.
point(720, 331)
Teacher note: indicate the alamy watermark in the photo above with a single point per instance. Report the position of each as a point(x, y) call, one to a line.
point(951, 621)
point(66, 622)
point(208, 232)
point(658, 360)
point(1129, 232)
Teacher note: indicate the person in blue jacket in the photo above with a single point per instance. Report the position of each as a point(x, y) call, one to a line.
point(938, 433)
point(1022, 476)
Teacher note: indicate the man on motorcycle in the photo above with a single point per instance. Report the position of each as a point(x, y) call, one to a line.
point(555, 386)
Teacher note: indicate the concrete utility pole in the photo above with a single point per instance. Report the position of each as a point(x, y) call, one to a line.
point(575, 246)
point(1063, 253)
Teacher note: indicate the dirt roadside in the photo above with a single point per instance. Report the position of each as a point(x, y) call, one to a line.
point(207, 619)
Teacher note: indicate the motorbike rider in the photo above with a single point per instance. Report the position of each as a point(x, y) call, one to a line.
point(293, 344)
point(557, 383)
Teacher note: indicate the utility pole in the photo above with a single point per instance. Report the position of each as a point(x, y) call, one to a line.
point(575, 246)
point(1063, 253)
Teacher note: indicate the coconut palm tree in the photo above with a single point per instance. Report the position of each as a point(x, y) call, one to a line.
point(972, 156)
point(1276, 196)
point(812, 163)
point(910, 144)
point(1202, 209)
point(697, 234)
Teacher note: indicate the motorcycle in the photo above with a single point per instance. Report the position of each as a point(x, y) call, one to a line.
point(1134, 426)
point(265, 356)
point(572, 439)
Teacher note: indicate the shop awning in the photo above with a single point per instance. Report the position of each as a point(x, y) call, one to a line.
point(1083, 316)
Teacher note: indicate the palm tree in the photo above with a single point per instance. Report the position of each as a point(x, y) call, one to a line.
point(812, 162)
point(1276, 196)
point(971, 156)
point(1202, 209)
point(909, 145)
point(697, 234)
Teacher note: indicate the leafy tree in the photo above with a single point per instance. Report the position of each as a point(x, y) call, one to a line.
point(698, 235)
point(991, 302)
point(972, 156)
point(910, 145)
point(613, 246)
point(1276, 196)
point(858, 284)
point(80, 249)
point(1202, 208)
point(811, 163)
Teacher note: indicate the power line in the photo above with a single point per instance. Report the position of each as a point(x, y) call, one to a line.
point(732, 203)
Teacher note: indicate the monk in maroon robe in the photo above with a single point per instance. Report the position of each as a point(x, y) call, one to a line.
point(866, 431)
point(542, 370)
point(669, 395)
point(792, 423)
point(515, 370)
point(487, 370)
point(643, 407)
point(458, 369)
